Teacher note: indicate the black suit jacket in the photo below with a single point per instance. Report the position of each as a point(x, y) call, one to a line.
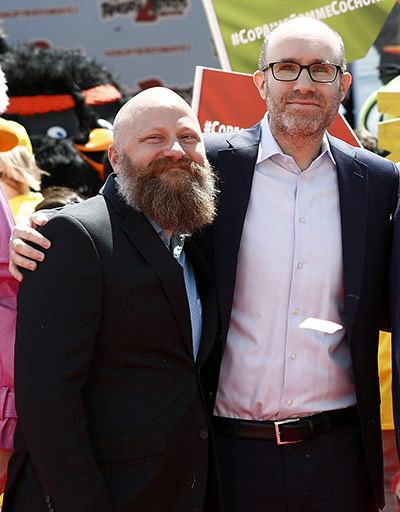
point(111, 411)
point(368, 193)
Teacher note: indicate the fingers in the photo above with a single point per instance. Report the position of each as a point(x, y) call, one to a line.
point(22, 234)
point(15, 272)
point(37, 219)
point(21, 253)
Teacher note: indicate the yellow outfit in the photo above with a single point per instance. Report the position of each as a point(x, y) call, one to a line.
point(390, 459)
point(24, 204)
point(385, 379)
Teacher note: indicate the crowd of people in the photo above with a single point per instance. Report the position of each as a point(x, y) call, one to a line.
point(203, 334)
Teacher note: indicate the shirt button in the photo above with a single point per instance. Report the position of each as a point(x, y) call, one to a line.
point(203, 433)
point(290, 402)
point(293, 356)
point(302, 177)
point(302, 220)
point(296, 311)
point(300, 265)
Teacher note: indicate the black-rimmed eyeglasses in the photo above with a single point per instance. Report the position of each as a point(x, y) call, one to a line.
point(290, 71)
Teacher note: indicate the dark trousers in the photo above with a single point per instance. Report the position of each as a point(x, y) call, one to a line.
point(327, 473)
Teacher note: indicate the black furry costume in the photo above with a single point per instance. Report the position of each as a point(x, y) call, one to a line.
point(31, 72)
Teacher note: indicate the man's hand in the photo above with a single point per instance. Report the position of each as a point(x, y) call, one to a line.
point(4, 458)
point(21, 253)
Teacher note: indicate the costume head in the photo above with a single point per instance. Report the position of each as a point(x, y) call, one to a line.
point(8, 134)
point(67, 103)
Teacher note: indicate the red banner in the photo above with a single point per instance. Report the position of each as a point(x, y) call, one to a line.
point(225, 101)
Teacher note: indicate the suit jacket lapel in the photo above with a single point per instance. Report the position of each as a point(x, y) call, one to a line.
point(353, 188)
point(236, 168)
point(167, 269)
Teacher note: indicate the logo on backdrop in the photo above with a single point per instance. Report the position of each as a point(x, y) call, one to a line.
point(218, 127)
point(144, 10)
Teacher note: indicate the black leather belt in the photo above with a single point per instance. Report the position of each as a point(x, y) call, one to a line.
point(291, 430)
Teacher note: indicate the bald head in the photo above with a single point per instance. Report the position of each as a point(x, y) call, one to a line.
point(156, 123)
point(306, 28)
point(148, 104)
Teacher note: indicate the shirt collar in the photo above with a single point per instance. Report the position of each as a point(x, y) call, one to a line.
point(175, 243)
point(269, 147)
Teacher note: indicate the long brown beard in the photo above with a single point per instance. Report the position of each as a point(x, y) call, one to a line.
point(183, 201)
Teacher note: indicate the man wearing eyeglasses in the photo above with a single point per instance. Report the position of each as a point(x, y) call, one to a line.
point(301, 247)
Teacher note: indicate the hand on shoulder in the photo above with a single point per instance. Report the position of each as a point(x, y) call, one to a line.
point(20, 252)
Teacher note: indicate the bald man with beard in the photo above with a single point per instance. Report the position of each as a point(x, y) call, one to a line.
point(114, 329)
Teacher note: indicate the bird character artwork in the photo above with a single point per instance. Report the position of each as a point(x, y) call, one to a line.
point(67, 103)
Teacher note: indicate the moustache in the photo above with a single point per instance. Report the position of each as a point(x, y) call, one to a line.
point(165, 164)
point(312, 96)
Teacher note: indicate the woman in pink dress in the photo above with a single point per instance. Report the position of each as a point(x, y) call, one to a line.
point(8, 305)
point(8, 311)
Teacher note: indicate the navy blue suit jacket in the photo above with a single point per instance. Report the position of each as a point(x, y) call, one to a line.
point(368, 195)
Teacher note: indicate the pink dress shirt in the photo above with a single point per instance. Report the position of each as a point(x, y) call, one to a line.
point(8, 311)
point(287, 353)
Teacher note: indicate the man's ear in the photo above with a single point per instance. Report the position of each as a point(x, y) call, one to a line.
point(259, 82)
point(345, 84)
point(113, 157)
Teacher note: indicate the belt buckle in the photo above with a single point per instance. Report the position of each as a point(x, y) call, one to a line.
point(277, 424)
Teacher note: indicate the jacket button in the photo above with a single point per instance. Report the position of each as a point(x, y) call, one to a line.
point(203, 433)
